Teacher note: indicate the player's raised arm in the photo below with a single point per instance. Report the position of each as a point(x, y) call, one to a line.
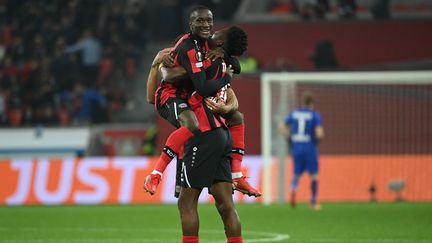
point(173, 75)
point(234, 62)
point(196, 72)
point(152, 77)
point(220, 52)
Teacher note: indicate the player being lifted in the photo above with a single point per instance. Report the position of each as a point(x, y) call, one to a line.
point(207, 154)
point(225, 43)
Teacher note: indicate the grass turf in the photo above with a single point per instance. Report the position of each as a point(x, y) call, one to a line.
point(338, 222)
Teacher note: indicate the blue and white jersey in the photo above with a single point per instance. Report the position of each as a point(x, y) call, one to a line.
point(303, 122)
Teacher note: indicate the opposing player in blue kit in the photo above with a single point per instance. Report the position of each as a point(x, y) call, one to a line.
point(303, 129)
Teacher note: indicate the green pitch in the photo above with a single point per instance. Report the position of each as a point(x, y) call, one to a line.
point(360, 223)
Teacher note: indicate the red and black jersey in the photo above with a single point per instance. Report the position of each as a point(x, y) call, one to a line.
point(165, 91)
point(189, 52)
point(215, 71)
point(196, 101)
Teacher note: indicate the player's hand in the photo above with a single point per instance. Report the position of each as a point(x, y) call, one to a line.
point(216, 53)
point(229, 71)
point(217, 105)
point(160, 55)
point(168, 61)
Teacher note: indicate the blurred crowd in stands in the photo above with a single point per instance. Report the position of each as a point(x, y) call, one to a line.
point(67, 61)
point(314, 9)
point(345, 9)
point(75, 62)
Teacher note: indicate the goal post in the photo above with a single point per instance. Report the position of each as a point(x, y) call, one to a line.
point(276, 102)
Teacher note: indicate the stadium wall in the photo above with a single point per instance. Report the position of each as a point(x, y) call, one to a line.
point(356, 43)
point(363, 129)
point(118, 180)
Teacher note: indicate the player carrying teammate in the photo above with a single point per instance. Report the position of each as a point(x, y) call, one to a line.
point(234, 41)
point(207, 154)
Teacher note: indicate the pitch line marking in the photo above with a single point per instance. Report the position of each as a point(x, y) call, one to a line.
point(264, 236)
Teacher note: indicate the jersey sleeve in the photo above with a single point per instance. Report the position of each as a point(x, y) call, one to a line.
point(196, 72)
point(288, 119)
point(317, 119)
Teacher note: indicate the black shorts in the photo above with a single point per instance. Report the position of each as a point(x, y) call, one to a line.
point(171, 110)
point(207, 159)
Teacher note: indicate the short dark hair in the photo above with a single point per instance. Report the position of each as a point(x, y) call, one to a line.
point(197, 8)
point(307, 99)
point(237, 41)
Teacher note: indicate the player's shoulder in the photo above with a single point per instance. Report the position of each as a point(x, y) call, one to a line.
point(185, 42)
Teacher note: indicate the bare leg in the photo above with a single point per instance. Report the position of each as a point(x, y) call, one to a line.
point(235, 119)
point(188, 208)
point(237, 130)
point(188, 119)
point(222, 192)
point(176, 140)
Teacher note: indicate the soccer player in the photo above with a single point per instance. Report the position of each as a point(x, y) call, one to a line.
point(234, 41)
point(303, 129)
point(206, 161)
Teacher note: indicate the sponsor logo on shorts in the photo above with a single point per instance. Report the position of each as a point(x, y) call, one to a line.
point(193, 156)
point(183, 105)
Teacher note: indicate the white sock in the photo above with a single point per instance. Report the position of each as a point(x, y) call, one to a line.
point(157, 172)
point(236, 175)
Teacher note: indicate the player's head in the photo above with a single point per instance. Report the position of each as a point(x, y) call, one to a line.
point(307, 99)
point(201, 21)
point(233, 40)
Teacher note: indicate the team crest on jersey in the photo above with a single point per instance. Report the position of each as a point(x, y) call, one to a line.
point(199, 56)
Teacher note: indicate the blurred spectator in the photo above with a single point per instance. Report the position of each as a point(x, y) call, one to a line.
point(281, 64)
point(347, 9)
point(248, 64)
point(3, 116)
point(283, 7)
point(149, 142)
point(168, 20)
point(324, 56)
point(43, 103)
point(380, 9)
point(86, 104)
point(91, 52)
point(224, 9)
point(313, 9)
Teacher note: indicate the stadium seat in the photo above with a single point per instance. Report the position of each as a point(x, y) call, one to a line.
point(15, 117)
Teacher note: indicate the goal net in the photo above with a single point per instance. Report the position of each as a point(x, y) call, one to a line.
point(378, 132)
